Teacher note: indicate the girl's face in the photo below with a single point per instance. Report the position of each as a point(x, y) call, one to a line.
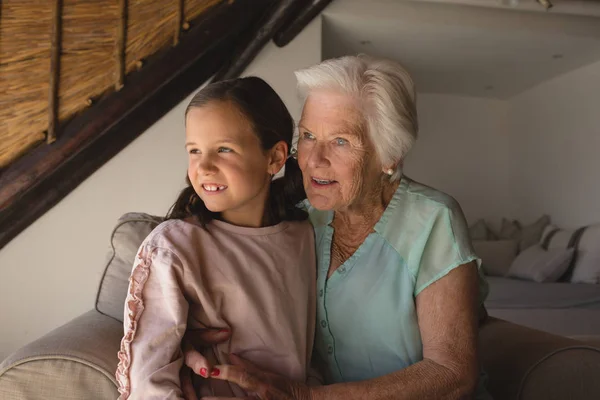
point(228, 168)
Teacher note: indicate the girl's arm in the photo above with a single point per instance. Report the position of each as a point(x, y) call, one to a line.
point(447, 314)
point(155, 320)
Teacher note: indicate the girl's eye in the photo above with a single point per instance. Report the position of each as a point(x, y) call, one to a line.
point(340, 141)
point(224, 150)
point(307, 136)
point(194, 151)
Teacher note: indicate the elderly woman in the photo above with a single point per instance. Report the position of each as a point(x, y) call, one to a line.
point(399, 286)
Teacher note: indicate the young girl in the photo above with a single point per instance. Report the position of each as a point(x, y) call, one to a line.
point(235, 251)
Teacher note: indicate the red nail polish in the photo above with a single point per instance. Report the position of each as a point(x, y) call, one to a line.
point(223, 330)
point(215, 372)
point(203, 372)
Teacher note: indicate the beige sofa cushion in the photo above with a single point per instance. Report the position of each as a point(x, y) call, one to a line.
point(526, 364)
point(126, 238)
point(75, 361)
point(568, 373)
point(55, 379)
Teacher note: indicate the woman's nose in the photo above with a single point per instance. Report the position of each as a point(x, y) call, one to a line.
point(317, 156)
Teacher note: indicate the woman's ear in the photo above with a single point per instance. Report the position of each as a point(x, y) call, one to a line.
point(277, 157)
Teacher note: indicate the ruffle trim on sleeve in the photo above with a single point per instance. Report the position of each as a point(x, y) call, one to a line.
point(134, 304)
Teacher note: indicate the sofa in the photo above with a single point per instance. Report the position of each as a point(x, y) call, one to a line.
point(562, 298)
point(78, 360)
point(562, 308)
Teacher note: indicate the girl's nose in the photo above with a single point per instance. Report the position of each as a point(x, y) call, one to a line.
point(206, 166)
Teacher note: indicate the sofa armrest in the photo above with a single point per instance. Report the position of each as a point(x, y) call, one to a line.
point(528, 364)
point(75, 361)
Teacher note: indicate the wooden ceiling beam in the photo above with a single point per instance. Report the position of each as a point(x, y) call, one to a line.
point(39, 180)
point(303, 18)
point(280, 14)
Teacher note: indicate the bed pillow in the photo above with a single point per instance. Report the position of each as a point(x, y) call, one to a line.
point(540, 265)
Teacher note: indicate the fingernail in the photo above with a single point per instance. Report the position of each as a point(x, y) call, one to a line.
point(215, 372)
point(204, 372)
point(223, 330)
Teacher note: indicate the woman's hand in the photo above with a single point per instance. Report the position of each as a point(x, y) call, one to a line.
point(195, 362)
point(259, 384)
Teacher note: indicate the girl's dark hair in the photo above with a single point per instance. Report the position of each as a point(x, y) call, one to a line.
point(272, 122)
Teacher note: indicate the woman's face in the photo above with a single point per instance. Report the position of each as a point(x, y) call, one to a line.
point(339, 166)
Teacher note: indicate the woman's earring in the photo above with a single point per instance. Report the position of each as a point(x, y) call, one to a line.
point(293, 153)
point(390, 171)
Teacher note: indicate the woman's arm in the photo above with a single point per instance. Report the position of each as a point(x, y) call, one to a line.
point(447, 314)
point(155, 320)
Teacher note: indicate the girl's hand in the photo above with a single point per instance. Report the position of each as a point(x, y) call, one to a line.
point(195, 362)
point(260, 385)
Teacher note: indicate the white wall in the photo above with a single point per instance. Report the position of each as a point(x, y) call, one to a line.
point(463, 150)
point(49, 274)
point(555, 149)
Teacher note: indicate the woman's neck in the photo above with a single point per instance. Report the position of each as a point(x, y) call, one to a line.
point(360, 219)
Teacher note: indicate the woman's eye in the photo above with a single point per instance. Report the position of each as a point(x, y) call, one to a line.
point(340, 141)
point(194, 151)
point(224, 150)
point(307, 136)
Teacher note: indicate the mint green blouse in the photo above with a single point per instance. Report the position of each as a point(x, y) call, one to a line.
point(366, 316)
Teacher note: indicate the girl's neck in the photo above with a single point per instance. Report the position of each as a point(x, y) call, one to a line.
point(241, 218)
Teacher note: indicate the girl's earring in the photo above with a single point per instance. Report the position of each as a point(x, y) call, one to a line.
point(390, 171)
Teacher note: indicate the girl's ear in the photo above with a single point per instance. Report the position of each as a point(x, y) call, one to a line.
point(277, 157)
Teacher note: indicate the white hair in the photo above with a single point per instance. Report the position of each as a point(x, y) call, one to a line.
point(387, 96)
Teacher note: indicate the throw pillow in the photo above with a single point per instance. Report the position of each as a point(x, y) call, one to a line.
point(586, 268)
point(509, 230)
point(531, 234)
point(496, 255)
point(526, 235)
point(480, 231)
point(539, 265)
point(555, 238)
point(127, 236)
point(547, 234)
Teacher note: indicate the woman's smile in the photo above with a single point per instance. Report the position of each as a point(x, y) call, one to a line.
point(320, 183)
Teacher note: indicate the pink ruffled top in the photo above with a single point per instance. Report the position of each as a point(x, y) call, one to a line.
point(258, 282)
